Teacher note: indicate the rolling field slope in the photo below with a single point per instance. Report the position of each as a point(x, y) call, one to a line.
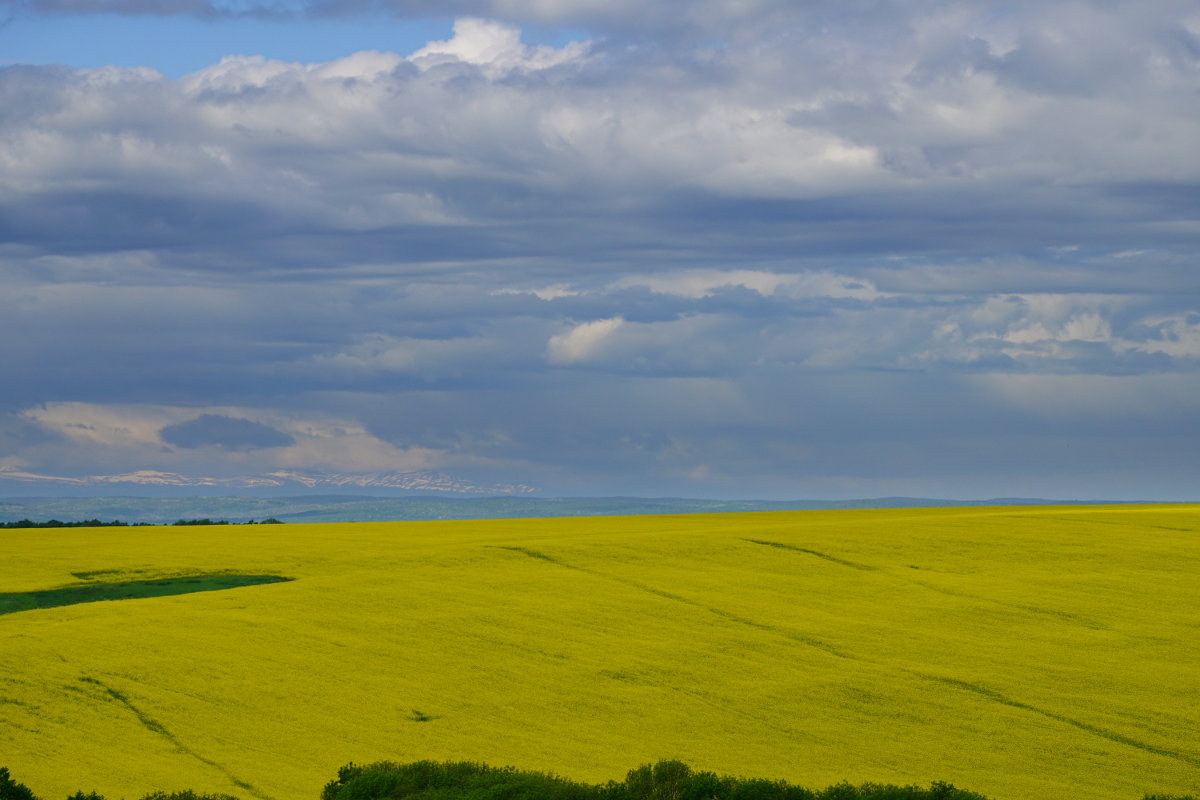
point(1025, 653)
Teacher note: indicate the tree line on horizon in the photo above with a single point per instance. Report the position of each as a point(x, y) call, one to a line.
point(467, 780)
point(116, 523)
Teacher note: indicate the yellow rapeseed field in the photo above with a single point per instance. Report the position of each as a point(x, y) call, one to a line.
point(1022, 652)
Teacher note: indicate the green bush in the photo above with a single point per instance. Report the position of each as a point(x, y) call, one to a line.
point(451, 780)
point(469, 780)
point(187, 794)
point(665, 780)
point(11, 790)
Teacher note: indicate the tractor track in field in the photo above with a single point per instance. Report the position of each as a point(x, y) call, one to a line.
point(154, 726)
point(1092, 520)
point(795, 636)
point(817, 553)
point(991, 694)
point(1065, 616)
point(975, 689)
point(1096, 730)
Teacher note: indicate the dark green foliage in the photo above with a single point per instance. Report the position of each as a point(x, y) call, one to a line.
point(673, 780)
point(12, 602)
point(877, 791)
point(206, 521)
point(11, 790)
point(839, 791)
point(16, 791)
point(666, 780)
point(462, 780)
point(116, 523)
point(762, 789)
point(468, 780)
point(187, 794)
point(54, 523)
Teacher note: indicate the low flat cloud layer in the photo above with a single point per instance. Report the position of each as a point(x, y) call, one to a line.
point(805, 251)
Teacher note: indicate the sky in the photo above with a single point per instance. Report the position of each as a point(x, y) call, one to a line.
point(775, 249)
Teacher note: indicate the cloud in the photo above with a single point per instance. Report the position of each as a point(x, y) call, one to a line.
point(228, 433)
point(222, 442)
point(582, 341)
point(504, 142)
point(1176, 335)
point(767, 244)
point(101, 426)
point(494, 47)
point(705, 283)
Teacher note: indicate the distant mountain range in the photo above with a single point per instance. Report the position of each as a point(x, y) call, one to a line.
point(423, 482)
point(350, 508)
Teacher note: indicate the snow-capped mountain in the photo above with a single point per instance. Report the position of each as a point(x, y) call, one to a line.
point(283, 479)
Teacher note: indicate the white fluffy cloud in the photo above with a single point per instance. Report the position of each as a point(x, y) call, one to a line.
point(494, 47)
point(582, 341)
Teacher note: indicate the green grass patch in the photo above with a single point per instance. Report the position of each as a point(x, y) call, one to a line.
point(12, 602)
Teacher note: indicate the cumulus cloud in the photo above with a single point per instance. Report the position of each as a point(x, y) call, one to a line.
point(494, 47)
point(582, 341)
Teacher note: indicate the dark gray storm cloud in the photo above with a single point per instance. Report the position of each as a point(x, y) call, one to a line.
point(813, 249)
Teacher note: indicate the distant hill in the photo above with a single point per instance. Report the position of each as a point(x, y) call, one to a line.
point(350, 508)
